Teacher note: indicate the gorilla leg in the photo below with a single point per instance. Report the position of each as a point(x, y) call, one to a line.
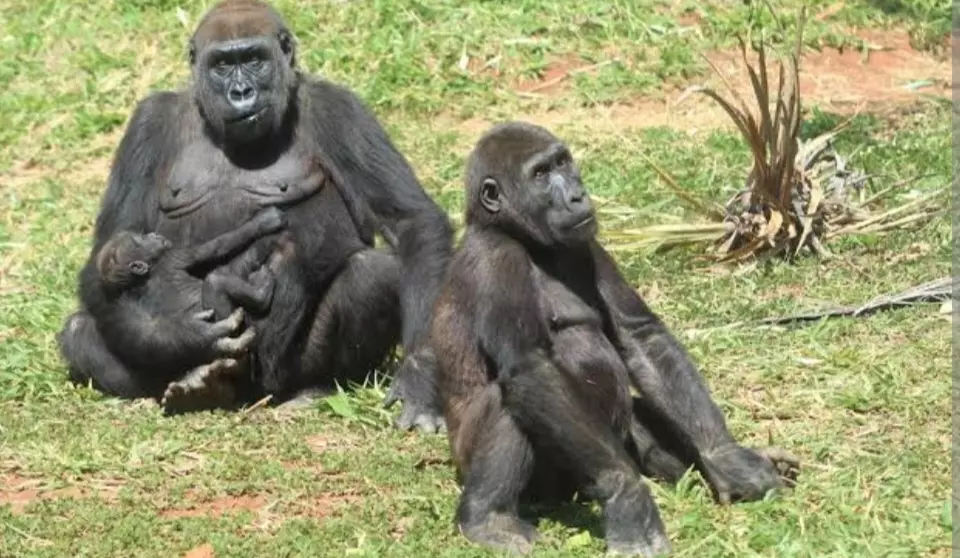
point(356, 325)
point(223, 291)
point(547, 405)
point(89, 360)
point(500, 467)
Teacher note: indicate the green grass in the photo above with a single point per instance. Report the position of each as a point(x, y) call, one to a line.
point(862, 402)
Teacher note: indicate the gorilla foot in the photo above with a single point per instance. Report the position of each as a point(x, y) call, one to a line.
point(203, 388)
point(633, 524)
point(501, 532)
point(413, 385)
point(787, 464)
point(739, 474)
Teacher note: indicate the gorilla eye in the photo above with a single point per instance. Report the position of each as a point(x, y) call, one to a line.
point(540, 172)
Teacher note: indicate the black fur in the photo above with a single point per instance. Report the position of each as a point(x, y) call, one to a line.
point(188, 169)
point(538, 338)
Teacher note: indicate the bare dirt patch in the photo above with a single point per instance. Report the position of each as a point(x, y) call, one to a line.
point(890, 75)
point(553, 78)
point(202, 551)
point(841, 81)
point(18, 491)
point(269, 510)
point(217, 507)
point(327, 505)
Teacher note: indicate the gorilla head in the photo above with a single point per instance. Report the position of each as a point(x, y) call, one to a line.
point(243, 61)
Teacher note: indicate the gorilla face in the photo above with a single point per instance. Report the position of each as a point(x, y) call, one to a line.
point(243, 85)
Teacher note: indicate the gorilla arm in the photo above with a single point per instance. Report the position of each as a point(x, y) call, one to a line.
point(374, 170)
point(658, 365)
point(131, 200)
point(131, 203)
point(673, 390)
point(372, 167)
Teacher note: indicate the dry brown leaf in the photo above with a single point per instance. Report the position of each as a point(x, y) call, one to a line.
point(202, 551)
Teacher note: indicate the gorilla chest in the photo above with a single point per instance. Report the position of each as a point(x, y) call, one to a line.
point(566, 306)
point(204, 194)
point(573, 313)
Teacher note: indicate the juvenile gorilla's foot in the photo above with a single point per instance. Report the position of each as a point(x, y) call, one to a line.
point(501, 532)
point(414, 385)
point(739, 474)
point(632, 522)
point(204, 388)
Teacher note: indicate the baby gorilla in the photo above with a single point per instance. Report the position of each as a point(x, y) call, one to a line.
point(538, 339)
point(162, 280)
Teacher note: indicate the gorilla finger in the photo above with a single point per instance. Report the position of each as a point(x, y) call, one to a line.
point(223, 365)
point(430, 424)
point(236, 318)
point(203, 315)
point(233, 346)
point(404, 422)
point(780, 455)
point(391, 399)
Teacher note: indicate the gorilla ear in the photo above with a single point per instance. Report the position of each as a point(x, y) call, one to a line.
point(139, 267)
point(287, 45)
point(490, 195)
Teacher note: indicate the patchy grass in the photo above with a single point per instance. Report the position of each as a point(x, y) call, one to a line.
point(863, 402)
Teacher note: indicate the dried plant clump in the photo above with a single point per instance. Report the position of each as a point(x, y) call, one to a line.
point(798, 193)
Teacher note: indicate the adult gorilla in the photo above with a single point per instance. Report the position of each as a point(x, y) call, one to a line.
point(253, 131)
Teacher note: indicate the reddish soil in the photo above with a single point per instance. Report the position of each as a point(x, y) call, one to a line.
point(217, 507)
point(18, 492)
point(202, 551)
point(318, 507)
point(554, 76)
point(842, 82)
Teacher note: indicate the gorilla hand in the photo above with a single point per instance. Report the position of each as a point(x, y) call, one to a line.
point(218, 333)
point(739, 474)
point(414, 383)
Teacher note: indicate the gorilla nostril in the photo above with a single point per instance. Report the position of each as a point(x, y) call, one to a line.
point(175, 192)
point(284, 187)
point(240, 94)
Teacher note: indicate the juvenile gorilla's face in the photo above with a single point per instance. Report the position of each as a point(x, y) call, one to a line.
point(243, 85)
point(129, 256)
point(142, 251)
point(544, 198)
point(553, 180)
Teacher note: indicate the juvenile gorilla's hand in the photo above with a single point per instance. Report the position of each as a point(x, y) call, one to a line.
point(270, 220)
point(739, 474)
point(414, 384)
point(218, 334)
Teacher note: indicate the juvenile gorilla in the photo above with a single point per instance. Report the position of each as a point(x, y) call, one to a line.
point(160, 302)
point(252, 131)
point(538, 338)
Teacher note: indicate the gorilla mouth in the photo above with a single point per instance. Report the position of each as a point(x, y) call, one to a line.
point(248, 118)
point(584, 222)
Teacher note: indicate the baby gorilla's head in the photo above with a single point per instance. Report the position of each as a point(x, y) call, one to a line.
point(127, 258)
